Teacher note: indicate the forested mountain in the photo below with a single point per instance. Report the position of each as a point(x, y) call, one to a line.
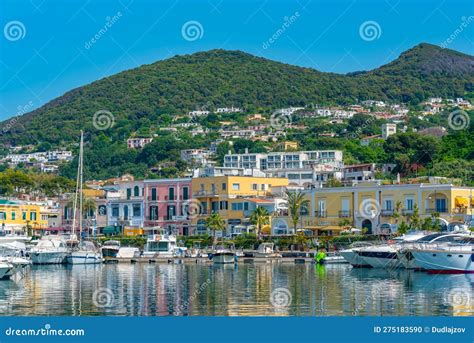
point(140, 97)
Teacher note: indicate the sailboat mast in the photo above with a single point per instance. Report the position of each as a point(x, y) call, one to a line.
point(81, 156)
point(74, 205)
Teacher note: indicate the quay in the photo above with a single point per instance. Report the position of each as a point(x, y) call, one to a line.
point(206, 260)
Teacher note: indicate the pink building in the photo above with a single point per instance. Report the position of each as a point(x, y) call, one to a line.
point(165, 204)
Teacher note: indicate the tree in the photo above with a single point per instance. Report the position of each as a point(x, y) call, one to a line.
point(415, 220)
point(397, 211)
point(215, 223)
point(403, 228)
point(260, 217)
point(296, 202)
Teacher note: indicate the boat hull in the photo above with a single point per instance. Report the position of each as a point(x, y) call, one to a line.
point(354, 259)
point(48, 257)
point(109, 252)
point(6, 270)
point(445, 261)
point(223, 258)
point(84, 257)
point(381, 259)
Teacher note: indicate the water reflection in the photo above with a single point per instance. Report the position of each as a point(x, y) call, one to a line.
point(228, 290)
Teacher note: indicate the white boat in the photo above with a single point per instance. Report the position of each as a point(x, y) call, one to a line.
point(446, 257)
point(334, 258)
point(110, 249)
point(385, 256)
point(86, 253)
point(405, 255)
point(14, 238)
point(352, 257)
point(14, 253)
point(128, 252)
point(223, 256)
point(49, 250)
point(160, 244)
point(266, 250)
point(5, 269)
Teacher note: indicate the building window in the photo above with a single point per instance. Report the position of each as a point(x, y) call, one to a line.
point(409, 204)
point(185, 193)
point(224, 186)
point(223, 205)
point(171, 193)
point(136, 210)
point(153, 194)
point(388, 204)
point(153, 212)
point(254, 187)
point(236, 186)
point(214, 206)
point(125, 212)
point(13, 215)
point(32, 215)
point(129, 193)
point(3, 216)
point(23, 215)
point(115, 211)
point(171, 212)
point(237, 206)
point(136, 191)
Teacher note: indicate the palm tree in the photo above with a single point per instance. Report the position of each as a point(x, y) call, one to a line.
point(88, 205)
point(260, 217)
point(296, 202)
point(215, 223)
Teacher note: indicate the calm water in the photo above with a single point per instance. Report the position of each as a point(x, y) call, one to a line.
point(243, 290)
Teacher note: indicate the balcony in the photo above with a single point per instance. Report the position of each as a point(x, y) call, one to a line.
point(202, 194)
point(344, 214)
point(150, 198)
point(386, 213)
point(320, 214)
point(436, 210)
point(407, 212)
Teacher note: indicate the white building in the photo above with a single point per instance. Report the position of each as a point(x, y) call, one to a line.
point(388, 129)
point(138, 143)
point(228, 110)
point(198, 113)
point(197, 157)
point(304, 168)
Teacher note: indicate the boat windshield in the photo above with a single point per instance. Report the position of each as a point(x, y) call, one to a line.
point(158, 246)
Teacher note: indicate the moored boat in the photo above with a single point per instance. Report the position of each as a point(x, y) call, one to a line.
point(86, 253)
point(446, 257)
point(266, 250)
point(110, 249)
point(221, 255)
point(352, 257)
point(49, 250)
point(5, 269)
point(160, 244)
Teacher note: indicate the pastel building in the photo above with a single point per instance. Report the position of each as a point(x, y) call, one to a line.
point(374, 207)
point(166, 203)
point(125, 204)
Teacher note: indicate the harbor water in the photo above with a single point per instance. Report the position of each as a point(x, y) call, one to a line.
point(263, 289)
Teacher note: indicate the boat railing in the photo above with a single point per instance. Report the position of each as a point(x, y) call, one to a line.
point(465, 247)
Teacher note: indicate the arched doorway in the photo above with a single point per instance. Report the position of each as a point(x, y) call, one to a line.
point(367, 224)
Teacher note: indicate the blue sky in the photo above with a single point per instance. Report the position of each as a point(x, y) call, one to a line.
point(46, 48)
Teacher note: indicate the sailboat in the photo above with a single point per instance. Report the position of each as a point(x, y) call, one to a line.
point(85, 252)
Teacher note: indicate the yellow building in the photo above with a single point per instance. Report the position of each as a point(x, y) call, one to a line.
point(375, 207)
point(234, 198)
point(288, 146)
point(16, 216)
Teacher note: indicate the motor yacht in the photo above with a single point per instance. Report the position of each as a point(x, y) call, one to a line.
point(160, 244)
point(385, 255)
point(49, 250)
point(352, 257)
point(452, 257)
point(110, 249)
point(222, 255)
point(405, 255)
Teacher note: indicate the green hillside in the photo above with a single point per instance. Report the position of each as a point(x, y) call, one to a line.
point(138, 97)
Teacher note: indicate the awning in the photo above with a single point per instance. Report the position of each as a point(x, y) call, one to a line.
point(108, 230)
point(324, 228)
point(461, 202)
